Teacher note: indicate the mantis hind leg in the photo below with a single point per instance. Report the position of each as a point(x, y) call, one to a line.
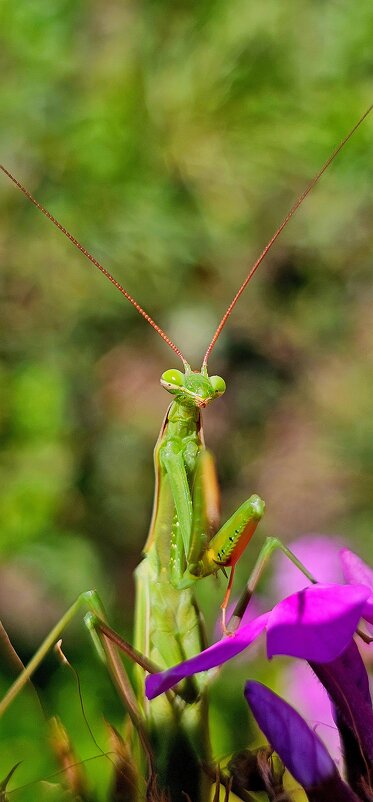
point(88, 600)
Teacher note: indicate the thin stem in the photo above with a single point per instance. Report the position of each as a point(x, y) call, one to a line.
point(16, 661)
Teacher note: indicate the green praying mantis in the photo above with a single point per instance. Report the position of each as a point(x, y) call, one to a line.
point(184, 545)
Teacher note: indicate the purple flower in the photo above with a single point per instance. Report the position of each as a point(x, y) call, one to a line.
point(300, 749)
point(325, 559)
point(317, 624)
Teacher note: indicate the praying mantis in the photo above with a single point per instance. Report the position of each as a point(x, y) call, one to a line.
point(184, 546)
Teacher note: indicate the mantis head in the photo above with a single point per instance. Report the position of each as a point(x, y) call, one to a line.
point(193, 388)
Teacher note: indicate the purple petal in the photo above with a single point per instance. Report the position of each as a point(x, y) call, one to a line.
point(357, 572)
point(216, 654)
point(354, 671)
point(316, 623)
point(298, 746)
point(368, 610)
point(346, 682)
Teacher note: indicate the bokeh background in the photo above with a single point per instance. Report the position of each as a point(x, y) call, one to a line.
point(172, 138)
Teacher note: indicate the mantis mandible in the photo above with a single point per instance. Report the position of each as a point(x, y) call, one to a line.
point(184, 544)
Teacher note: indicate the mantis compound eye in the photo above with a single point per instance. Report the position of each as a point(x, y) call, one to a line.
point(218, 384)
point(175, 377)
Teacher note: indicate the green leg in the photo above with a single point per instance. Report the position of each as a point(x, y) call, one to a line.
point(105, 631)
point(103, 645)
point(108, 639)
point(88, 599)
point(271, 544)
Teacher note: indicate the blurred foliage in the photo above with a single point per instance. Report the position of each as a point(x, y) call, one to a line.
point(172, 138)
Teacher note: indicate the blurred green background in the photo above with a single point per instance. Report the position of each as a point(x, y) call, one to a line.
point(171, 138)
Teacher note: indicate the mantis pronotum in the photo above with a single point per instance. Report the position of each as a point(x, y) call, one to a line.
point(184, 543)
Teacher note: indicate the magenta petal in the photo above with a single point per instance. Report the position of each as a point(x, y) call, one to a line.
point(316, 623)
point(368, 610)
point(355, 570)
point(216, 654)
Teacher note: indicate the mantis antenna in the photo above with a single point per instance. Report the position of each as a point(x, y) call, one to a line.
point(244, 284)
point(285, 221)
point(95, 262)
